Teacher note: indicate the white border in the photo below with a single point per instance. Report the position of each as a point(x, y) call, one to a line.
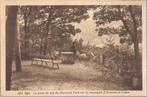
point(72, 2)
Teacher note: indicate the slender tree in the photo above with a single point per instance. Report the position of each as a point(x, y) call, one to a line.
point(28, 17)
point(17, 48)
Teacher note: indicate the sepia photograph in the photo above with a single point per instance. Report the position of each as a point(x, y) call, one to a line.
point(69, 47)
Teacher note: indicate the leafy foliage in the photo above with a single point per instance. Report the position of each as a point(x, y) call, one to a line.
point(130, 30)
point(115, 13)
point(54, 24)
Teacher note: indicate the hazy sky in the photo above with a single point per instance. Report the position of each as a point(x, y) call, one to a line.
point(88, 32)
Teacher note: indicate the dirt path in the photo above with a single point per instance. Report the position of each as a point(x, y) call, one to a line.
point(68, 77)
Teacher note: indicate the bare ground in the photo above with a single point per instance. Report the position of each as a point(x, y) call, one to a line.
point(68, 77)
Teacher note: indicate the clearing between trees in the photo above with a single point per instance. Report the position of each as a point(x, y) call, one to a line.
point(69, 77)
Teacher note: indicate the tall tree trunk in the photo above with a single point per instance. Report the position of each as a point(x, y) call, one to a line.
point(10, 42)
point(26, 42)
point(41, 42)
point(45, 44)
point(136, 51)
point(17, 49)
point(138, 65)
point(47, 31)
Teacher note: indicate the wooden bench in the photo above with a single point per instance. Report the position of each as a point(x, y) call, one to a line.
point(46, 59)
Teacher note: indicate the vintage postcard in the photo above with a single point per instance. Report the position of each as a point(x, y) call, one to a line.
point(73, 47)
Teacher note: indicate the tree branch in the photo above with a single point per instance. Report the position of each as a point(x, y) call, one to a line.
point(134, 20)
point(124, 22)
